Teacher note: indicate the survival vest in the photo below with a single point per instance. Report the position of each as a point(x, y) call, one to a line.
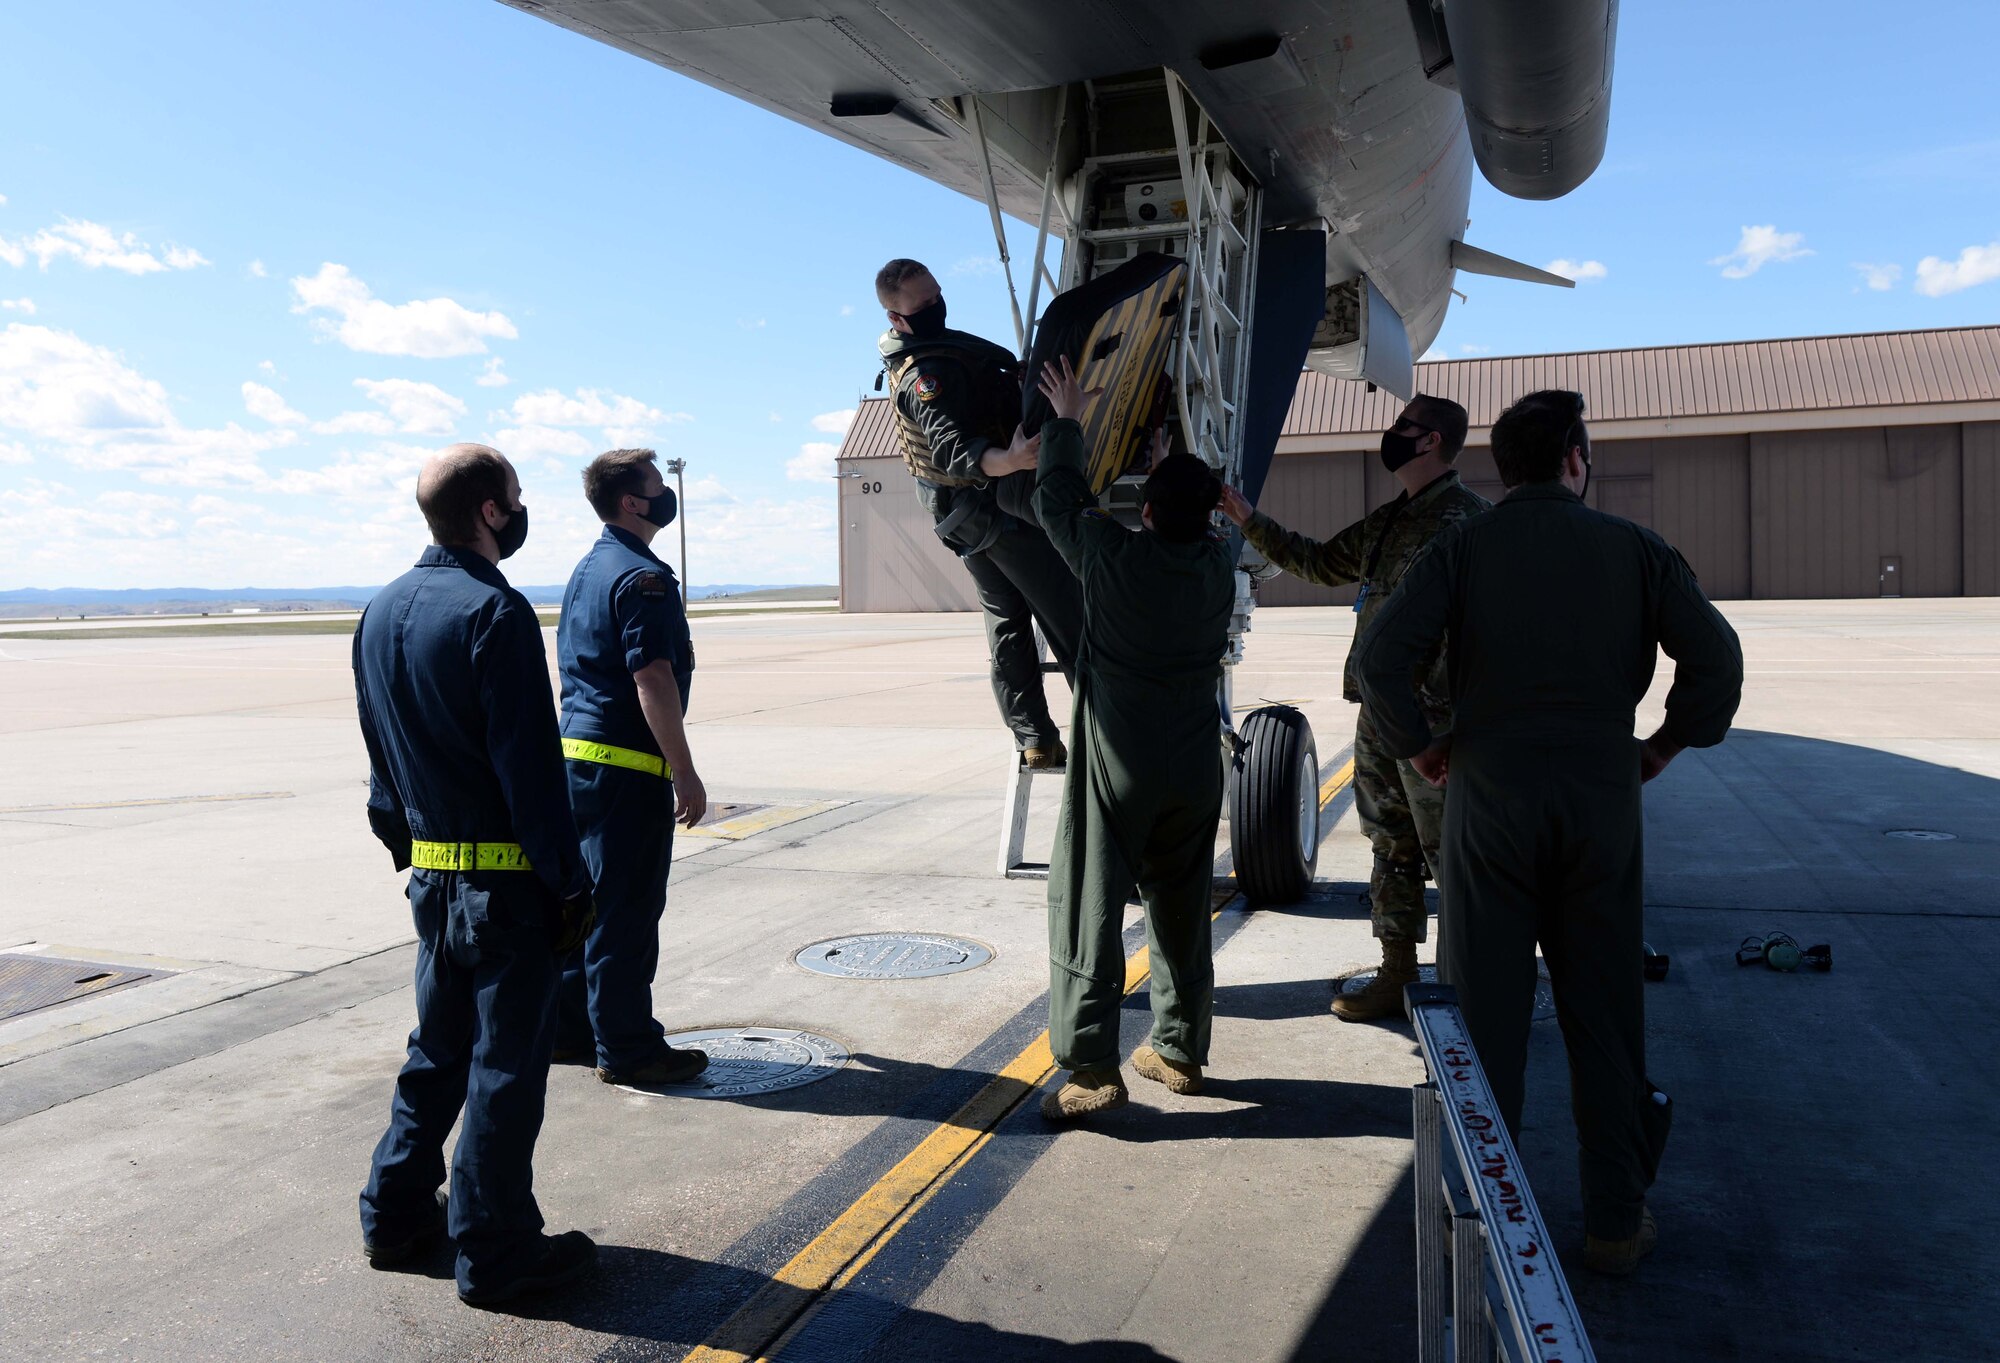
point(996, 389)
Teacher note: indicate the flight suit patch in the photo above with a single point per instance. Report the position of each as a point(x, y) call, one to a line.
point(927, 387)
point(1097, 513)
point(651, 585)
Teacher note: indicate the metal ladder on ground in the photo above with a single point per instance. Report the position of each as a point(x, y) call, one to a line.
point(1496, 1288)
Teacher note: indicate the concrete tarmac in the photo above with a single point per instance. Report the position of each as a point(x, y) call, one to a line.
point(179, 1157)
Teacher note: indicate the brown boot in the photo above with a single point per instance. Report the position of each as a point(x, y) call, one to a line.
point(1176, 1075)
point(1045, 756)
point(1087, 1093)
point(1617, 1258)
point(1383, 997)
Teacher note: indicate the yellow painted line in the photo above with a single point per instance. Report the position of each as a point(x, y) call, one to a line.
point(144, 804)
point(786, 1304)
point(1336, 782)
point(775, 816)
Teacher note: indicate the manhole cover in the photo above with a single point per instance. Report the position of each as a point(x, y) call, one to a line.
point(893, 956)
point(1921, 835)
point(1545, 999)
point(30, 983)
point(748, 1060)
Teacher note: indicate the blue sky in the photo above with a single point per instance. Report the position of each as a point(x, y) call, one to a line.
point(256, 259)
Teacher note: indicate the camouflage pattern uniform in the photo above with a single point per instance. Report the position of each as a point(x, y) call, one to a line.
point(1400, 811)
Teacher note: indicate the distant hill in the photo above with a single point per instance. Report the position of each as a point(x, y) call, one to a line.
point(40, 601)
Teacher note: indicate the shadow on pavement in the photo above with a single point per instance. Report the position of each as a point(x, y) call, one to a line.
point(637, 1295)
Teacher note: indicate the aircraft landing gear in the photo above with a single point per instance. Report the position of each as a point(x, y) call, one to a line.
point(1274, 805)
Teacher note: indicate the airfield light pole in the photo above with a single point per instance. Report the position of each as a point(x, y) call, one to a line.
point(677, 467)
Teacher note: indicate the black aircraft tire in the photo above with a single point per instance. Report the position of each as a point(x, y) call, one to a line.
point(1274, 806)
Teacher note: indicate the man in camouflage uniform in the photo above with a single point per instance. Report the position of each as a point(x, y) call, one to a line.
point(1400, 811)
point(957, 403)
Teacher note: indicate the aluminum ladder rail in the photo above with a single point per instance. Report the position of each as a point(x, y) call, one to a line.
point(1506, 1290)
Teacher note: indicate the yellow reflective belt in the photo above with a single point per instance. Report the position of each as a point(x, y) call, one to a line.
point(583, 750)
point(469, 856)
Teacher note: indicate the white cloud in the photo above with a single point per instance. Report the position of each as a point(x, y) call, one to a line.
point(257, 270)
point(813, 461)
point(750, 323)
point(761, 540)
point(1758, 247)
point(1975, 265)
point(21, 305)
point(417, 408)
point(834, 423)
point(1582, 271)
point(86, 404)
point(1475, 349)
point(428, 328)
point(3, 200)
point(492, 376)
point(356, 423)
point(13, 452)
point(95, 246)
point(265, 404)
point(267, 367)
point(587, 407)
point(976, 267)
point(1880, 278)
point(1435, 353)
point(776, 417)
point(369, 473)
point(847, 309)
point(526, 442)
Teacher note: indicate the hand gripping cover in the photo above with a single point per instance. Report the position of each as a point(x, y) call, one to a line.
point(1117, 331)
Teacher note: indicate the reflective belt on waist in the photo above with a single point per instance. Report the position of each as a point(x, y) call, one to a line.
point(469, 856)
point(583, 750)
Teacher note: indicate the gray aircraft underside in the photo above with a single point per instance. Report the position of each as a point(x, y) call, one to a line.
point(1351, 113)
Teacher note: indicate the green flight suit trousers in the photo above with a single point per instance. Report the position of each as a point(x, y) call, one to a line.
point(1141, 802)
point(1543, 844)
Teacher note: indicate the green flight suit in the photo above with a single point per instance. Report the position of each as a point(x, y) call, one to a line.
point(1401, 813)
point(1555, 613)
point(957, 396)
point(1143, 793)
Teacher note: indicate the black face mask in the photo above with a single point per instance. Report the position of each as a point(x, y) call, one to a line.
point(661, 510)
point(510, 537)
point(926, 324)
point(1398, 450)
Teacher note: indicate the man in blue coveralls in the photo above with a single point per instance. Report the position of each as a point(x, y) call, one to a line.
point(466, 786)
point(627, 661)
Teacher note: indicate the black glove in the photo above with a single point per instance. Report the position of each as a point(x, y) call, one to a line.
point(578, 916)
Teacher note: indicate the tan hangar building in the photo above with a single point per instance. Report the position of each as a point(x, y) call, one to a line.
point(1823, 466)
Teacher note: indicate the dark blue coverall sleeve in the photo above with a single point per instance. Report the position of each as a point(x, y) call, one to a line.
point(1409, 629)
point(524, 745)
point(385, 804)
point(1080, 529)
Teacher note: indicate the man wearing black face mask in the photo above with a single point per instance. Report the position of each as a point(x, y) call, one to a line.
point(627, 663)
point(466, 788)
point(1400, 811)
point(957, 403)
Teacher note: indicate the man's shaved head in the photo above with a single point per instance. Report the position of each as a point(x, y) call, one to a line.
point(891, 279)
point(455, 484)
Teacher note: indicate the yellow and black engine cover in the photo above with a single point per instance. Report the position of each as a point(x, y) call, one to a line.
point(1117, 330)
